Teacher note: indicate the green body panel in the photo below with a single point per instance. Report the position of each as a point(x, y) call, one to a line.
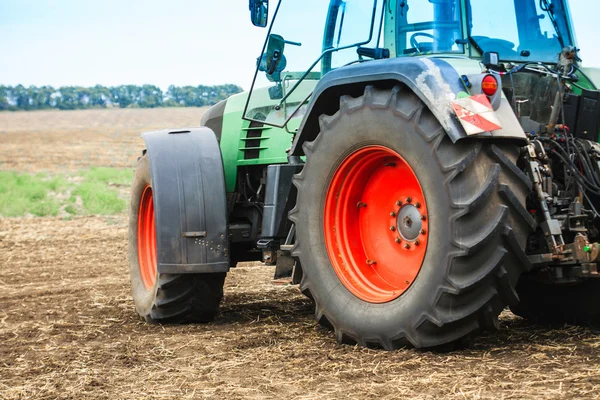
point(274, 142)
point(594, 79)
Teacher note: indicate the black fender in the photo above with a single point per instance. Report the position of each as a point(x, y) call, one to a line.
point(432, 79)
point(190, 205)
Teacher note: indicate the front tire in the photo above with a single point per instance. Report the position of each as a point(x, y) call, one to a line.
point(164, 298)
point(475, 226)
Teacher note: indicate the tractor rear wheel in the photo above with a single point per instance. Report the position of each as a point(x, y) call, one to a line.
point(168, 298)
point(405, 238)
point(550, 303)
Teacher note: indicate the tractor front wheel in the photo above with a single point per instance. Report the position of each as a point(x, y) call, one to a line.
point(165, 298)
point(406, 238)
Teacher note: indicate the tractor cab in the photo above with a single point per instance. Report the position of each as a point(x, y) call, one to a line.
point(295, 57)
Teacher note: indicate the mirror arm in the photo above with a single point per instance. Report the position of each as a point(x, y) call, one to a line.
point(292, 43)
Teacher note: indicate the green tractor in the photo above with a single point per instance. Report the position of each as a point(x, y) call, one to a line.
point(415, 169)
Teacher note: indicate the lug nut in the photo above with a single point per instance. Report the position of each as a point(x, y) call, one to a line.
point(423, 231)
point(392, 228)
point(417, 242)
point(408, 199)
point(393, 214)
point(418, 205)
point(407, 246)
point(423, 217)
point(399, 202)
point(397, 240)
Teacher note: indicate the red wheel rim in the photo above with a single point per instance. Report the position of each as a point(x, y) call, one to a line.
point(147, 239)
point(376, 224)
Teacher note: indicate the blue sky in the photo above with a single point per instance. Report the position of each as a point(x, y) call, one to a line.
point(163, 42)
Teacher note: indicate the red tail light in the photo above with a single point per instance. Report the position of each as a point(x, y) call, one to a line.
point(489, 85)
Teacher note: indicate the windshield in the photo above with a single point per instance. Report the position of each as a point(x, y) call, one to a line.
point(520, 30)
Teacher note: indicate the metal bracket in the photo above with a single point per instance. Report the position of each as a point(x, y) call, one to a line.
point(550, 226)
point(200, 234)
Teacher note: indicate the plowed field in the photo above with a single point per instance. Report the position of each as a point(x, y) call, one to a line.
point(68, 328)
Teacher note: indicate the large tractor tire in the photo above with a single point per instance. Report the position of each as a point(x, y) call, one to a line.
point(405, 238)
point(557, 304)
point(164, 298)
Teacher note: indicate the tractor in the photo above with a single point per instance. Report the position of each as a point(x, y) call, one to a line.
point(416, 168)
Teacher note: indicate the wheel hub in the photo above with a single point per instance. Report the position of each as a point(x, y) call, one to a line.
point(409, 222)
point(375, 224)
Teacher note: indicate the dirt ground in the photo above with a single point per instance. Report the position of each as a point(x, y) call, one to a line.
point(68, 328)
point(70, 140)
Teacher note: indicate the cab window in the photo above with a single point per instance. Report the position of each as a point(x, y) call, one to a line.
point(428, 27)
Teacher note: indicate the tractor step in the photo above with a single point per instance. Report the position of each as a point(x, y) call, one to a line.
point(284, 267)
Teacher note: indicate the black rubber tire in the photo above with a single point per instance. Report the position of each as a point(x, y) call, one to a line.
point(478, 226)
point(558, 304)
point(175, 298)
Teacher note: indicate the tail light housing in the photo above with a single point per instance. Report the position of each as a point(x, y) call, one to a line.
point(489, 85)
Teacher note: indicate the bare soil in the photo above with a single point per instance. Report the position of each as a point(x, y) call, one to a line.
point(61, 141)
point(68, 328)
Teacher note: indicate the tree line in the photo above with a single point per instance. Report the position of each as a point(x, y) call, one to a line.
point(145, 96)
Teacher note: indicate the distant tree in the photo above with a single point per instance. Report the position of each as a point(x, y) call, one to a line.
point(67, 98)
point(40, 98)
point(150, 96)
point(99, 97)
point(21, 98)
point(169, 102)
point(78, 97)
point(135, 93)
point(4, 104)
point(83, 97)
point(177, 95)
point(126, 95)
point(120, 95)
point(47, 99)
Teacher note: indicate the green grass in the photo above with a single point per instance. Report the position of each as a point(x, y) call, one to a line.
point(108, 175)
point(22, 193)
point(96, 194)
point(97, 198)
point(71, 209)
point(43, 195)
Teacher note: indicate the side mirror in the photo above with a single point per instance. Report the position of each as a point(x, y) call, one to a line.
point(275, 54)
point(259, 12)
point(273, 61)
